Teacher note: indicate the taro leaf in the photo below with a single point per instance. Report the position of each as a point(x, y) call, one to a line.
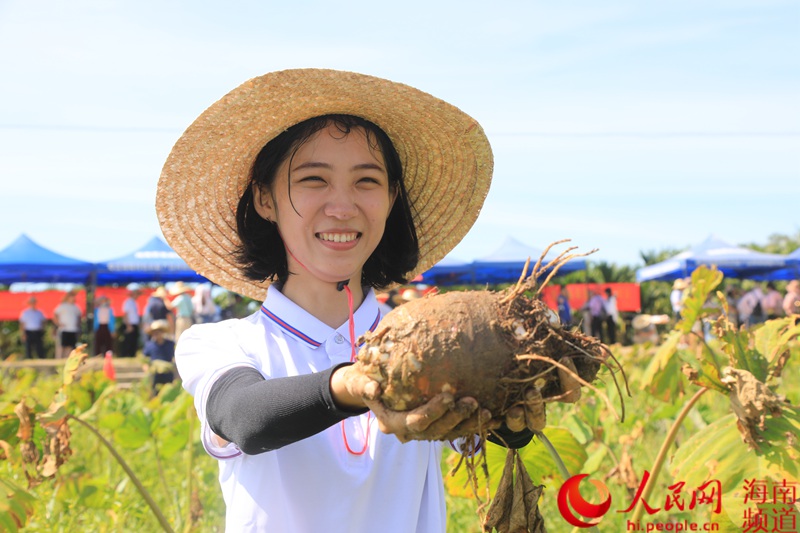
point(76, 358)
point(111, 421)
point(718, 452)
point(579, 429)
point(737, 344)
point(538, 462)
point(173, 438)
point(773, 337)
point(703, 374)
point(134, 432)
point(704, 280)
point(16, 507)
point(595, 459)
point(663, 378)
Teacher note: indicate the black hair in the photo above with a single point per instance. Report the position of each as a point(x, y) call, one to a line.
point(262, 254)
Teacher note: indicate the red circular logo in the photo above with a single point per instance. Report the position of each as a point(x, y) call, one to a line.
point(570, 498)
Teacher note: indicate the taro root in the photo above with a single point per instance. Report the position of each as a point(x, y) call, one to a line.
point(493, 346)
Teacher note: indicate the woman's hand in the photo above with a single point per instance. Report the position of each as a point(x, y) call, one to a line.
point(442, 417)
point(438, 419)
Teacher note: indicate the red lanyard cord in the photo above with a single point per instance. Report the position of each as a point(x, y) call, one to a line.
point(352, 325)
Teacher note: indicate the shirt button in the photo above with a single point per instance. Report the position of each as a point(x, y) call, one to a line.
point(338, 339)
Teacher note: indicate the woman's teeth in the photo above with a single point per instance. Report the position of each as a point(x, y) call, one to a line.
point(338, 237)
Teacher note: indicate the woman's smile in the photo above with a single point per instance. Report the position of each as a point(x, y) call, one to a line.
point(330, 201)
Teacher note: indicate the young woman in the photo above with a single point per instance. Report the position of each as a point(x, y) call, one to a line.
point(321, 186)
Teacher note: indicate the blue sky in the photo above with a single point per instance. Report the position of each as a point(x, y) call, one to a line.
point(626, 126)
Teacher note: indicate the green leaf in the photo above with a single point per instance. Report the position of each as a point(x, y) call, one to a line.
point(134, 432)
point(111, 421)
point(744, 357)
point(773, 337)
point(173, 438)
point(718, 453)
point(663, 378)
point(537, 459)
point(582, 432)
point(704, 280)
point(706, 374)
point(15, 507)
point(595, 459)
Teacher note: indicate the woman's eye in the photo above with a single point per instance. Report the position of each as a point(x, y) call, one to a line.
point(311, 179)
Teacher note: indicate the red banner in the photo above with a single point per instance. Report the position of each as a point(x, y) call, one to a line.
point(629, 298)
point(13, 303)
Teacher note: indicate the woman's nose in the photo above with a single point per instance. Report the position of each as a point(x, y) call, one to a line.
point(341, 205)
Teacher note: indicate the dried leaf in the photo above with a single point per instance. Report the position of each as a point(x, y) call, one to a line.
point(751, 401)
point(499, 512)
point(515, 507)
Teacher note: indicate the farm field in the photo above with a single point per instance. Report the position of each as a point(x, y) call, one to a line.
point(710, 421)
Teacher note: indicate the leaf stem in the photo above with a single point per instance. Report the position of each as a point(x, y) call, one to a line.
point(562, 468)
point(662, 455)
point(141, 488)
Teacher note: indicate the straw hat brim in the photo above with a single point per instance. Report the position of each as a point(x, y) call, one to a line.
point(447, 163)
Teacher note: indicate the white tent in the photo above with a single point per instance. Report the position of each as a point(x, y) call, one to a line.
point(732, 261)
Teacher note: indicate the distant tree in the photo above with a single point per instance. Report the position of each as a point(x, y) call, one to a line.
point(651, 257)
point(778, 244)
point(603, 272)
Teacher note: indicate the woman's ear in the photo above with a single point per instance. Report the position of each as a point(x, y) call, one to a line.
point(263, 203)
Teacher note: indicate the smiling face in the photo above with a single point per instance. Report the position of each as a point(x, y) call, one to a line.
point(330, 201)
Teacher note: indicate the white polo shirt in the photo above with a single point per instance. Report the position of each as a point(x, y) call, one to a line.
point(314, 485)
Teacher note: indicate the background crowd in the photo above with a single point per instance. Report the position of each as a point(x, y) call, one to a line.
point(175, 310)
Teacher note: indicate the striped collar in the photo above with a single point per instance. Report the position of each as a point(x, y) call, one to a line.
point(305, 327)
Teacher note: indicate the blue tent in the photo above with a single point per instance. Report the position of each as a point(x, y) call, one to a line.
point(25, 261)
point(449, 271)
point(792, 270)
point(153, 262)
point(505, 264)
point(732, 261)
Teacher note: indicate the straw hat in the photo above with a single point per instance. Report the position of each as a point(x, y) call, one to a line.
point(446, 157)
point(159, 325)
point(409, 294)
point(160, 292)
point(180, 288)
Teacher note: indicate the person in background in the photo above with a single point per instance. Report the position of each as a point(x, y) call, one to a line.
point(67, 319)
point(773, 302)
point(676, 297)
point(104, 326)
point(564, 310)
point(732, 297)
point(791, 302)
point(158, 308)
point(182, 307)
point(612, 316)
point(597, 314)
point(31, 329)
point(161, 354)
point(205, 310)
point(751, 307)
point(131, 321)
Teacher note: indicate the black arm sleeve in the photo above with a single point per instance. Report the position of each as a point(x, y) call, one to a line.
point(260, 414)
point(513, 440)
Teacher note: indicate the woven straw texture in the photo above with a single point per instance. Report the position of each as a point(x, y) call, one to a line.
point(446, 157)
